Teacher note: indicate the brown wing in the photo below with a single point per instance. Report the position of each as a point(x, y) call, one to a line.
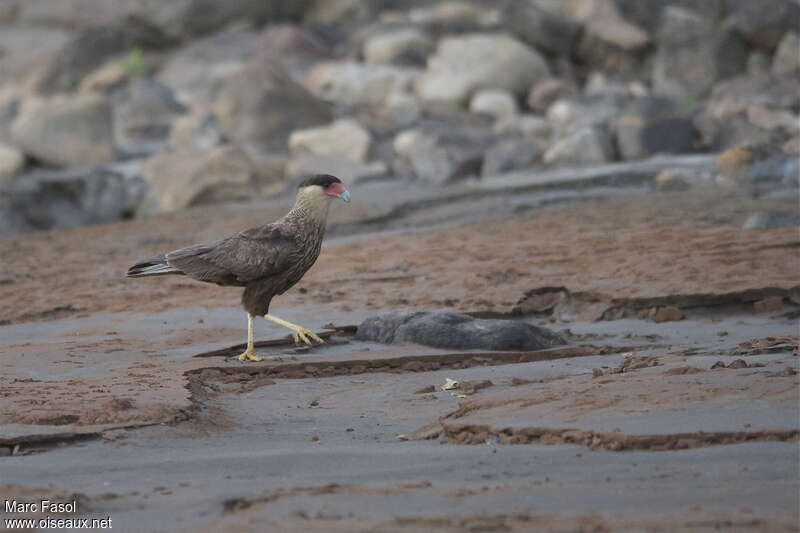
point(250, 255)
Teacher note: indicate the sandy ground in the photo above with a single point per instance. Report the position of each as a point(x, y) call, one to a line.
point(629, 428)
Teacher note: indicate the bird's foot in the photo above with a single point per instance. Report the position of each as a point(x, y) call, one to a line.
point(249, 355)
point(301, 333)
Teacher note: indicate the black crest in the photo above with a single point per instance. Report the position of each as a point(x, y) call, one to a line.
point(323, 180)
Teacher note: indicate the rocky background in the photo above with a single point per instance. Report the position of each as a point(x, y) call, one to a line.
point(113, 109)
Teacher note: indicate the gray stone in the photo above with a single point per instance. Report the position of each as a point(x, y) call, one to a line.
point(93, 47)
point(763, 23)
point(455, 17)
point(143, 110)
point(772, 219)
point(439, 158)
point(447, 330)
point(197, 70)
point(511, 154)
point(787, 57)
point(45, 200)
point(465, 64)
point(653, 125)
point(404, 46)
point(585, 146)
point(727, 119)
point(585, 110)
point(262, 105)
point(182, 179)
point(546, 92)
point(344, 137)
point(546, 30)
point(195, 131)
point(26, 48)
point(11, 161)
point(497, 104)
point(609, 41)
point(776, 172)
point(65, 131)
point(187, 18)
point(303, 165)
point(692, 54)
point(352, 83)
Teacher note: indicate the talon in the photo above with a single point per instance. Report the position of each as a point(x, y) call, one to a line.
point(296, 338)
point(249, 356)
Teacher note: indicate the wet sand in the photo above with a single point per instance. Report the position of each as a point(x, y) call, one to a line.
point(108, 390)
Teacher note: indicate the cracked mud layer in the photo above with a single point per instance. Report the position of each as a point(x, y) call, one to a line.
point(676, 401)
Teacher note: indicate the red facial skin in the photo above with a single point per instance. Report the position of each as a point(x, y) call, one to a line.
point(334, 189)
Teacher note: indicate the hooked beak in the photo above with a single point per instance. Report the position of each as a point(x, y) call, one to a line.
point(344, 195)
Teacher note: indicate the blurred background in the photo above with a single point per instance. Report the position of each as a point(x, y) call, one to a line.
point(116, 109)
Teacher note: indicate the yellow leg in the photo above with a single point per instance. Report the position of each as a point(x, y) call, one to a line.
point(249, 354)
point(298, 332)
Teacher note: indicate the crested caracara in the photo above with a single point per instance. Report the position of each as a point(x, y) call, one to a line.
point(266, 261)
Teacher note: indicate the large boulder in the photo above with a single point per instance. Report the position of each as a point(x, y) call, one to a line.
point(692, 54)
point(143, 110)
point(197, 70)
point(93, 47)
point(443, 329)
point(66, 131)
point(44, 200)
point(465, 64)
point(345, 137)
point(302, 165)
point(183, 179)
point(262, 105)
point(348, 82)
point(653, 125)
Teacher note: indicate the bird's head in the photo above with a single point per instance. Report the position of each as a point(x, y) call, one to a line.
point(323, 187)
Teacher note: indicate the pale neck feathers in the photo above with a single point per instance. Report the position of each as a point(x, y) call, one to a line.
point(311, 203)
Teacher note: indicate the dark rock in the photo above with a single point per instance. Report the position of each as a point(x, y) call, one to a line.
point(443, 329)
point(143, 110)
point(425, 390)
point(653, 125)
point(692, 54)
point(543, 29)
point(772, 219)
point(738, 363)
point(93, 47)
point(47, 200)
point(198, 17)
point(471, 387)
point(510, 154)
point(763, 23)
point(262, 105)
point(544, 93)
